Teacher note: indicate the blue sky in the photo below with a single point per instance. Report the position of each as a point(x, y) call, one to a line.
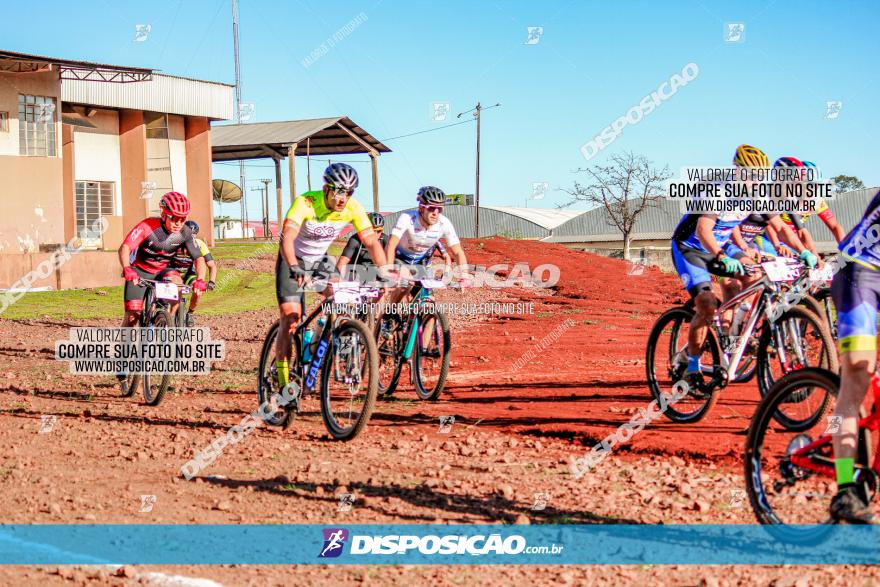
point(594, 61)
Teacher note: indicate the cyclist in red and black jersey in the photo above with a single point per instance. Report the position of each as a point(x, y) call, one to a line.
point(148, 253)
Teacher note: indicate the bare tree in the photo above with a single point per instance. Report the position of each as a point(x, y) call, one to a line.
point(625, 187)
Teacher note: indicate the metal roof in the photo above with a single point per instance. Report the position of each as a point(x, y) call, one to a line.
point(594, 224)
point(326, 136)
point(492, 222)
point(72, 69)
point(659, 222)
point(161, 93)
point(547, 217)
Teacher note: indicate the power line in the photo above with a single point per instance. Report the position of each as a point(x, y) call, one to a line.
point(424, 131)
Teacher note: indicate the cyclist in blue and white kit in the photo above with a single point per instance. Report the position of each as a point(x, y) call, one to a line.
point(856, 293)
point(752, 238)
point(416, 233)
point(698, 252)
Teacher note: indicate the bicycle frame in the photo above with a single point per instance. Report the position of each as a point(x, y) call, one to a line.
point(763, 304)
point(415, 325)
point(825, 466)
point(730, 361)
point(309, 372)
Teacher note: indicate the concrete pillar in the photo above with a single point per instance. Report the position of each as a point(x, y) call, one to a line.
point(133, 161)
point(198, 175)
point(69, 181)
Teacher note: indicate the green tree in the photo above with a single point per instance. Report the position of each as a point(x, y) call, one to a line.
point(847, 183)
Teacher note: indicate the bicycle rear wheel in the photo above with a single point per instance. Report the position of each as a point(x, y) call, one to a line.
point(829, 312)
point(432, 353)
point(389, 344)
point(156, 385)
point(666, 363)
point(806, 343)
point(349, 380)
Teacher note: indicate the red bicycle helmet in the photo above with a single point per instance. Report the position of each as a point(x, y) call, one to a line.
point(175, 204)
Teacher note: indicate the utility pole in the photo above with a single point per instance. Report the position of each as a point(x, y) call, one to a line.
point(265, 199)
point(241, 169)
point(477, 110)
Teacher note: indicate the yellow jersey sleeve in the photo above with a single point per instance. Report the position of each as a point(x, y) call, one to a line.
point(301, 211)
point(359, 216)
point(203, 247)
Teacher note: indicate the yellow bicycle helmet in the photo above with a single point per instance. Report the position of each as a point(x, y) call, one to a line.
point(749, 156)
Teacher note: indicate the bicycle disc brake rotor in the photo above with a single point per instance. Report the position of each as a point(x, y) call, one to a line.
point(788, 470)
point(868, 482)
point(347, 363)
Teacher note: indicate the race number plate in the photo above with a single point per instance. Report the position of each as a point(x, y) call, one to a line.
point(432, 284)
point(166, 291)
point(781, 271)
point(822, 275)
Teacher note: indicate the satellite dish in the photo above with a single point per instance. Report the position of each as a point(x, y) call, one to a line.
point(225, 191)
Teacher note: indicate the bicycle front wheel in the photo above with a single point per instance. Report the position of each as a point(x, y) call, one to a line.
point(156, 385)
point(788, 483)
point(666, 363)
point(432, 353)
point(268, 392)
point(349, 380)
point(389, 343)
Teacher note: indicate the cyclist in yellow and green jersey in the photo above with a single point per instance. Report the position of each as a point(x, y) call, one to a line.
point(313, 222)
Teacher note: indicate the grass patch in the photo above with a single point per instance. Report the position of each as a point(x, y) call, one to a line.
point(223, 250)
point(239, 290)
point(229, 251)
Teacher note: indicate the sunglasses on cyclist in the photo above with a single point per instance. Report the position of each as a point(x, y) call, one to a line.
point(431, 209)
point(340, 191)
point(175, 218)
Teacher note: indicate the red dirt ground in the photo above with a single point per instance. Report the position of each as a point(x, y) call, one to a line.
point(514, 433)
point(592, 378)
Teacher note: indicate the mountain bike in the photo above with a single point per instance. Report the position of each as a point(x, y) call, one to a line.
point(421, 336)
point(789, 472)
point(156, 313)
point(788, 339)
point(332, 351)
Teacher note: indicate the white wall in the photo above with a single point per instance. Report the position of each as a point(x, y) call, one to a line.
point(96, 152)
point(177, 153)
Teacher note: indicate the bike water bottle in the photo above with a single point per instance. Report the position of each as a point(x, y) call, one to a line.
point(738, 316)
point(307, 346)
point(313, 340)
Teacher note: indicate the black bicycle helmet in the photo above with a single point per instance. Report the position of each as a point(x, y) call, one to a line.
point(193, 225)
point(376, 219)
point(431, 195)
point(341, 175)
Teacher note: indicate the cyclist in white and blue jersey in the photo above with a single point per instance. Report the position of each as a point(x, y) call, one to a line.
point(698, 252)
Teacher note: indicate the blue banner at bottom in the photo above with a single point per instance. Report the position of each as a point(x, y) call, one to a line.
point(437, 544)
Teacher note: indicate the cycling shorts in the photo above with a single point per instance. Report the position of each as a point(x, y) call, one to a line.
point(856, 293)
point(134, 294)
point(696, 268)
point(288, 290)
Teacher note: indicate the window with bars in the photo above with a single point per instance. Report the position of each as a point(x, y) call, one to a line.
point(93, 200)
point(36, 125)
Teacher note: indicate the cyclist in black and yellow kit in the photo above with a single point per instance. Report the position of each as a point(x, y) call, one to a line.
point(185, 265)
point(313, 222)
